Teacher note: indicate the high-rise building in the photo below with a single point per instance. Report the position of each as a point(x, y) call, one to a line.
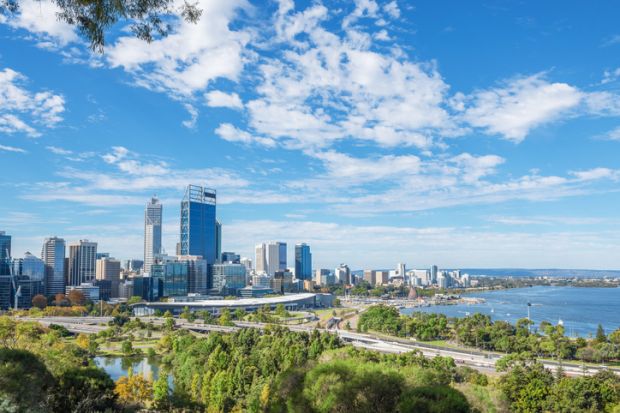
point(198, 223)
point(276, 257)
point(231, 257)
point(109, 269)
point(218, 241)
point(370, 276)
point(29, 277)
point(433, 279)
point(247, 262)
point(152, 232)
point(5, 253)
point(53, 255)
point(199, 281)
point(303, 262)
point(228, 279)
point(261, 259)
point(134, 265)
point(82, 262)
point(343, 274)
point(381, 277)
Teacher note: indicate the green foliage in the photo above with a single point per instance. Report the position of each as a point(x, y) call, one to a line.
point(387, 319)
point(225, 370)
point(86, 389)
point(134, 299)
point(127, 347)
point(18, 368)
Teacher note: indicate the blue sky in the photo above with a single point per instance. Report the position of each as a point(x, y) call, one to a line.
point(449, 133)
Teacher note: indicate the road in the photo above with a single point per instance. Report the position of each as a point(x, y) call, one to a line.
point(482, 361)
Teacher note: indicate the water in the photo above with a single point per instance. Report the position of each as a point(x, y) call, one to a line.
point(117, 367)
point(580, 309)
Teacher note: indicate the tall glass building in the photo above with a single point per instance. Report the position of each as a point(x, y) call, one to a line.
point(5, 253)
point(53, 255)
point(303, 262)
point(198, 223)
point(152, 232)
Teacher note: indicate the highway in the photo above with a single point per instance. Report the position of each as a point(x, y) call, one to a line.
point(482, 361)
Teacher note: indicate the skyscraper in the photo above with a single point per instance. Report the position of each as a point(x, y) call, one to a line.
point(53, 255)
point(152, 232)
point(261, 258)
point(109, 269)
point(433, 279)
point(82, 262)
point(218, 241)
point(303, 262)
point(198, 223)
point(198, 276)
point(5, 253)
point(276, 257)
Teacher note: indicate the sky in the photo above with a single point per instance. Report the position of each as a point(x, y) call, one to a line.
point(461, 134)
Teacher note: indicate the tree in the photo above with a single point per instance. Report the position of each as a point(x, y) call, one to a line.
point(134, 299)
point(24, 380)
point(76, 297)
point(225, 318)
point(84, 389)
point(127, 347)
point(60, 299)
point(39, 301)
point(600, 335)
point(161, 393)
point(134, 389)
point(94, 17)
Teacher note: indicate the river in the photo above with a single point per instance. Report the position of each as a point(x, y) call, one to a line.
point(580, 309)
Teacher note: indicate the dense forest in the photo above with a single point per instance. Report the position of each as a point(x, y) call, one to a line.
point(276, 370)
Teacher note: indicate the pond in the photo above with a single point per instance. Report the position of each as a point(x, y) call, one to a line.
point(116, 367)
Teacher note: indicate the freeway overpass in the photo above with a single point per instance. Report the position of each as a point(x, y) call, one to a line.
point(483, 361)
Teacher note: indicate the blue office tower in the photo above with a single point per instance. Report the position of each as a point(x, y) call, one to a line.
point(5, 253)
point(303, 262)
point(198, 224)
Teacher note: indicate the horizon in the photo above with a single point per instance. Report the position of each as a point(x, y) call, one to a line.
point(474, 136)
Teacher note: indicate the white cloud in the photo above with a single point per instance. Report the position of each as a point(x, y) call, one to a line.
point(612, 135)
point(7, 148)
point(18, 103)
point(40, 17)
point(193, 113)
point(419, 247)
point(597, 174)
point(231, 133)
point(520, 105)
point(191, 56)
point(330, 87)
point(392, 9)
point(221, 99)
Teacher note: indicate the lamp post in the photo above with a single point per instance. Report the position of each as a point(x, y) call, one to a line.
point(529, 320)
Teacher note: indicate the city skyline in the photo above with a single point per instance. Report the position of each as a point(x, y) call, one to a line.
point(479, 137)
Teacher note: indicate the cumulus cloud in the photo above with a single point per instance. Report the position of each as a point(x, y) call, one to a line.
point(231, 133)
point(515, 108)
point(21, 110)
point(191, 56)
point(40, 17)
point(217, 98)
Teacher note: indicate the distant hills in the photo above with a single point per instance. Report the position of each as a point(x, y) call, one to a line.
point(548, 272)
point(531, 272)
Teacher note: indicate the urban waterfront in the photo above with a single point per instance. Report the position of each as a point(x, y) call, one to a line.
point(580, 309)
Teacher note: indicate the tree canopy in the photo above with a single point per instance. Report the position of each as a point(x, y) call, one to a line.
point(93, 18)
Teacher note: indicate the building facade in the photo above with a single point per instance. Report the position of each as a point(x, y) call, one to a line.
point(5, 253)
point(303, 262)
point(109, 269)
point(228, 279)
point(82, 262)
point(53, 255)
point(198, 223)
point(152, 232)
